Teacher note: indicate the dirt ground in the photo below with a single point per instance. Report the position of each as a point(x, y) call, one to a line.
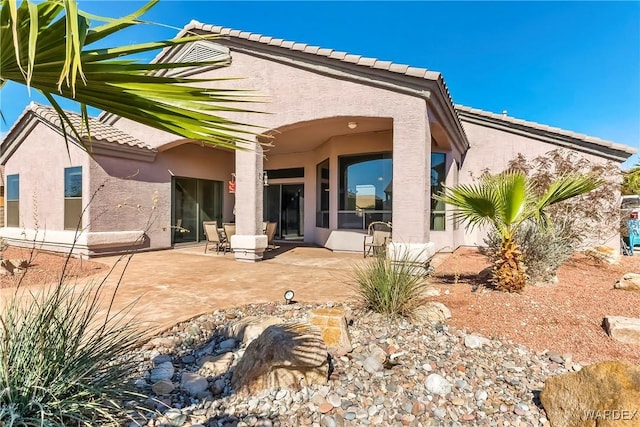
point(565, 317)
point(46, 268)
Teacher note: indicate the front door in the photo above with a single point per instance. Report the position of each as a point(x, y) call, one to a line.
point(284, 204)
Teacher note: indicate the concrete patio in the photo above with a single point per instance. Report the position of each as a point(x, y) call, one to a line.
point(175, 285)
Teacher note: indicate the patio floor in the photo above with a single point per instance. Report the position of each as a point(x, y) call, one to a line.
point(178, 284)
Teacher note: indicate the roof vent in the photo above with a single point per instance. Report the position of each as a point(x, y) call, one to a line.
point(504, 113)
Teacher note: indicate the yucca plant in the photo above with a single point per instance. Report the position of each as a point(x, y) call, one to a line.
point(390, 287)
point(63, 361)
point(47, 46)
point(504, 202)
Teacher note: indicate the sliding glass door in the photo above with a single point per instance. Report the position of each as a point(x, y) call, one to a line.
point(194, 201)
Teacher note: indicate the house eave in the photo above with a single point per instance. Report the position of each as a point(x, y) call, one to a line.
point(604, 149)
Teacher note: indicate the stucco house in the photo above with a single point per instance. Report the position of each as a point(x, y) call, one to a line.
point(354, 140)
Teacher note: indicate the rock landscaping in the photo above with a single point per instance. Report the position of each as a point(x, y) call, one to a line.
point(397, 374)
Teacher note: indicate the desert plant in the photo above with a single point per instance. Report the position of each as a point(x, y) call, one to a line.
point(589, 219)
point(504, 202)
point(391, 288)
point(63, 362)
point(631, 181)
point(50, 46)
point(66, 357)
point(543, 251)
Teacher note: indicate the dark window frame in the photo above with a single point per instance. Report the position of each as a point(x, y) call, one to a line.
point(73, 198)
point(13, 200)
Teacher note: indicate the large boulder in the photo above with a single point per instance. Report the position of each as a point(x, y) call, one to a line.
point(623, 329)
point(604, 394)
point(286, 356)
point(250, 327)
point(629, 282)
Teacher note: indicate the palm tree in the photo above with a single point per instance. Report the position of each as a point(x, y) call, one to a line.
point(47, 46)
point(504, 202)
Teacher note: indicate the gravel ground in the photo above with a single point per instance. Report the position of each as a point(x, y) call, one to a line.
point(439, 377)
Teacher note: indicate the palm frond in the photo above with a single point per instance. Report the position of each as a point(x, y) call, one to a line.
point(33, 55)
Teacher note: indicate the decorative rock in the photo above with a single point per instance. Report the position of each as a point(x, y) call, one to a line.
point(325, 407)
point(438, 385)
point(250, 328)
point(163, 387)
point(623, 329)
point(629, 282)
point(432, 312)
point(218, 365)
point(162, 371)
point(193, 383)
point(476, 341)
point(218, 386)
point(372, 365)
point(592, 396)
point(333, 327)
point(227, 344)
point(282, 356)
point(604, 253)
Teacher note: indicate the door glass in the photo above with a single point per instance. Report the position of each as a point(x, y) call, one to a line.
point(291, 217)
point(185, 222)
point(210, 203)
point(194, 201)
point(272, 205)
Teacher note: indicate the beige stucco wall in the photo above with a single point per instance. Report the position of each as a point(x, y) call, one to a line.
point(294, 95)
point(137, 195)
point(40, 161)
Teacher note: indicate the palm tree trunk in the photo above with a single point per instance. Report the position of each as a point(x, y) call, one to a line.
point(509, 271)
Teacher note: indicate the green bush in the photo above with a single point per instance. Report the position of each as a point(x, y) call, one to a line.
point(64, 362)
point(543, 252)
point(390, 288)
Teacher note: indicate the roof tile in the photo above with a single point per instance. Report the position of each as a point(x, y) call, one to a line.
point(99, 131)
point(546, 128)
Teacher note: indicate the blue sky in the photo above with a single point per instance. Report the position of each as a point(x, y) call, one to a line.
point(575, 65)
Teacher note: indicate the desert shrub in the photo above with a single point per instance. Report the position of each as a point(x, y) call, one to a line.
point(590, 219)
point(390, 288)
point(63, 361)
point(543, 251)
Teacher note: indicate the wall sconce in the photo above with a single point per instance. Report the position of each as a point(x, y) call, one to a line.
point(352, 125)
point(265, 179)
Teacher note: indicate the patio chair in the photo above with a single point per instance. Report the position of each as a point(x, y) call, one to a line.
point(212, 236)
point(633, 225)
point(377, 238)
point(229, 230)
point(271, 233)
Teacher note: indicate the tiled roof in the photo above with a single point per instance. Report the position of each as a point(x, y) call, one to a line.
point(543, 128)
point(364, 61)
point(99, 131)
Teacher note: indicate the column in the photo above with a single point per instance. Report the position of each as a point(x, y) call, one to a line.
point(249, 242)
point(411, 184)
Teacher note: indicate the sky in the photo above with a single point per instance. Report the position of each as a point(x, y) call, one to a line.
point(574, 65)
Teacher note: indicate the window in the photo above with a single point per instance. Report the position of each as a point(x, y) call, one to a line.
point(365, 190)
point(438, 178)
point(73, 198)
point(13, 200)
point(322, 195)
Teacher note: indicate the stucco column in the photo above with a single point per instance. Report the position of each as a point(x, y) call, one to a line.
point(411, 183)
point(249, 243)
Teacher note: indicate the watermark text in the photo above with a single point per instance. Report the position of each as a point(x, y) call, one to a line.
point(611, 414)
